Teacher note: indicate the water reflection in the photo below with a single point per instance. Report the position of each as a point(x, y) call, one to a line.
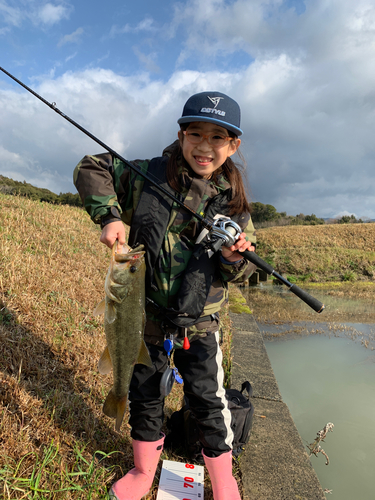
point(325, 368)
point(358, 332)
point(354, 303)
point(325, 379)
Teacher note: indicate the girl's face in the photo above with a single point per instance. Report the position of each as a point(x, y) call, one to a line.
point(205, 158)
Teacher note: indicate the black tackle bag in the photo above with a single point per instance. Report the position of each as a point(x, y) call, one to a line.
point(184, 433)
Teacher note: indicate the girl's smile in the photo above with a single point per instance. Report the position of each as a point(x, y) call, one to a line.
point(204, 158)
point(203, 161)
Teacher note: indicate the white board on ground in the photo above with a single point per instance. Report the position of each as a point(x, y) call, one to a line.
point(180, 481)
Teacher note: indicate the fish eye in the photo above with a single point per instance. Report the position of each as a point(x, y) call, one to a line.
point(133, 269)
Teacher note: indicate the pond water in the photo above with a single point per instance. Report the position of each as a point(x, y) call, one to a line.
point(326, 373)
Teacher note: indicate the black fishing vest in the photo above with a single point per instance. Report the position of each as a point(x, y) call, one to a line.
point(149, 225)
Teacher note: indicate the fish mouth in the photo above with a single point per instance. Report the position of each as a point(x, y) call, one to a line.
point(130, 254)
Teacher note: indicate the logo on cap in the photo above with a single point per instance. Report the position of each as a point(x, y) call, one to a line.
point(215, 101)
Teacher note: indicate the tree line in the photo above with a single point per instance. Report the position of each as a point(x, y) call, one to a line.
point(17, 188)
point(263, 215)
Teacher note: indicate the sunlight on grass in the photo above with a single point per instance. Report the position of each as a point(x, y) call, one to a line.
point(36, 478)
point(331, 252)
point(55, 441)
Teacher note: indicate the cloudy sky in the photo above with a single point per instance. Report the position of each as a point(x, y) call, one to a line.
point(303, 73)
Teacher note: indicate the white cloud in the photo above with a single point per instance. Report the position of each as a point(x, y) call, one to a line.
point(71, 56)
point(38, 12)
point(74, 37)
point(146, 25)
point(51, 14)
point(14, 159)
point(20, 168)
point(12, 16)
point(307, 100)
point(148, 61)
point(302, 156)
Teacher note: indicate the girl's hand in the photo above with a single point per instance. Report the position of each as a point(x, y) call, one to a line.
point(112, 232)
point(233, 253)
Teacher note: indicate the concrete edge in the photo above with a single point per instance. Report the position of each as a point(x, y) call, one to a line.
point(275, 464)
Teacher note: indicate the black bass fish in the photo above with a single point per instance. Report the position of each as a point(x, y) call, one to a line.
point(124, 321)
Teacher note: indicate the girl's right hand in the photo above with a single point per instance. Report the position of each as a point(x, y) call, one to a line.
point(112, 232)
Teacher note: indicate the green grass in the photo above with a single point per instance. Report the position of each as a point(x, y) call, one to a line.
point(40, 481)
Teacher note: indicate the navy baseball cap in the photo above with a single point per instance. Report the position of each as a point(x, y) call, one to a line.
point(212, 107)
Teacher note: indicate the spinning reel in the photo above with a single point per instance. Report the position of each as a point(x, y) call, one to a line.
point(224, 232)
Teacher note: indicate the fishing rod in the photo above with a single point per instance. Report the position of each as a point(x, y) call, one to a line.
point(222, 231)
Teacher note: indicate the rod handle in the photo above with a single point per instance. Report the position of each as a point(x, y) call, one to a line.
point(306, 297)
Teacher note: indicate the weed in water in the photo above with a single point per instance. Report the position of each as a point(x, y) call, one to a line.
point(315, 447)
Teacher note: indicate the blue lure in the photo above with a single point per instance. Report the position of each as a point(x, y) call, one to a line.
point(171, 374)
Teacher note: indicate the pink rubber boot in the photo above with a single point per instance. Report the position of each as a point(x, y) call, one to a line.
point(224, 485)
point(138, 481)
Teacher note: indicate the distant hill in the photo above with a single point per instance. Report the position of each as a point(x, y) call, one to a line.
point(267, 216)
point(262, 215)
point(9, 186)
point(330, 220)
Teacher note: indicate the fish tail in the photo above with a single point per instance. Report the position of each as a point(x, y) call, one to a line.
point(115, 407)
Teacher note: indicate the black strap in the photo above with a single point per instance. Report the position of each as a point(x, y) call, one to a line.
point(248, 387)
point(161, 313)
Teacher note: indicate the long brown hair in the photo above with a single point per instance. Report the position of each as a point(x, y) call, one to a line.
point(233, 172)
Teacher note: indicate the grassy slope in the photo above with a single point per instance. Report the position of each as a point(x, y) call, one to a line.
point(333, 252)
point(52, 426)
point(52, 274)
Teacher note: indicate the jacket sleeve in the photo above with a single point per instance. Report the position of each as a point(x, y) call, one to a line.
point(103, 181)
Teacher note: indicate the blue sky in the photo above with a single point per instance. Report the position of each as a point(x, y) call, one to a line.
point(303, 73)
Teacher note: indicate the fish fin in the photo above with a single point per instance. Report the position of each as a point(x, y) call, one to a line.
point(100, 308)
point(144, 356)
point(121, 408)
point(111, 312)
point(108, 286)
point(115, 408)
point(105, 363)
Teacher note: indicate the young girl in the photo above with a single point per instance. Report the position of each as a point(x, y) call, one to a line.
point(185, 288)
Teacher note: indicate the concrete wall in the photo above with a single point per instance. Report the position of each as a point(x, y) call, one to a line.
point(275, 464)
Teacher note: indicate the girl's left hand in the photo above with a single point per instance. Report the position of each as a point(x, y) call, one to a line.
point(233, 253)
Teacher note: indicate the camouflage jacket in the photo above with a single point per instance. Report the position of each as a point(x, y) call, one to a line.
point(104, 181)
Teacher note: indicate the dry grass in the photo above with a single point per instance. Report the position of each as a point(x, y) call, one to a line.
point(55, 443)
point(332, 252)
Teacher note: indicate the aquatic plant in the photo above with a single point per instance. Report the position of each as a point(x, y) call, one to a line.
point(315, 447)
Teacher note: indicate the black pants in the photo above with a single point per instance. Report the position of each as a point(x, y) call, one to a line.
point(201, 368)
